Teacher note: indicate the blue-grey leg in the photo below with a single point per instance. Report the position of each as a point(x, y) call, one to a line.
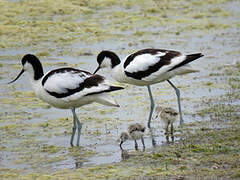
point(74, 127)
point(79, 125)
point(151, 107)
point(79, 131)
point(178, 99)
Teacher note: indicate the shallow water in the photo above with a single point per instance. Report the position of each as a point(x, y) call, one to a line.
point(35, 137)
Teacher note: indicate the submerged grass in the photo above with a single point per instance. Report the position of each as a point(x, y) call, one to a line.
point(58, 24)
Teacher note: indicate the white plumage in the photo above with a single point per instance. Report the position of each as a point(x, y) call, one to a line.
point(60, 82)
point(147, 67)
point(140, 63)
point(67, 88)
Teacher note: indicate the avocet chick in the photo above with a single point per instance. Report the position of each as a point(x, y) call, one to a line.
point(168, 115)
point(135, 132)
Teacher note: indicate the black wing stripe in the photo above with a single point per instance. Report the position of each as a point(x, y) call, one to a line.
point(89, 82)
point(131, 57)
point(163, 61)
point(62, 70)
point(189, 58)
point(68, 93)
point(111, 88)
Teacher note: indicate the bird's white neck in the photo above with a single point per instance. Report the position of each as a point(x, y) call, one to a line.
point(35, 75)
point(34, 69)
point(117, 73)
point(30, 71)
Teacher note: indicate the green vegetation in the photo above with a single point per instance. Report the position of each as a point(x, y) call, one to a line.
point(58, 24)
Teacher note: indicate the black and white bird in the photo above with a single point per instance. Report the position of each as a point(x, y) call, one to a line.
point(135, 132)
point(147, 67)
point(67, 88)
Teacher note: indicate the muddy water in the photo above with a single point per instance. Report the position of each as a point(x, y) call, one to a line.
point(34, 137)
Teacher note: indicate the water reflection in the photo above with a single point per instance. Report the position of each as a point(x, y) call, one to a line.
point(154, 142)
point(152, 137)
point(124, 154)
point(167, 138)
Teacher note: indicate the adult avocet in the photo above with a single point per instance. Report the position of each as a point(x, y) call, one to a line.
point(67, 88)
point(148, 66)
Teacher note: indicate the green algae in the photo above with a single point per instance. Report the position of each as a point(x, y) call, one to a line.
point(50, 148)
point(59, 24)
point(22, 99)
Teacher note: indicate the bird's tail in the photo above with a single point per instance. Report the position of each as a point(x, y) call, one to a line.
point(115, 88)
point(189, 58)
point(106, 99)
